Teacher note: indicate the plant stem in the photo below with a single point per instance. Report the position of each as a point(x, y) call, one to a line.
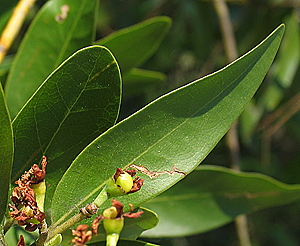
point(2, 242)
point(232, 135)
point(101, 198)
point(112, 239)
point(229, 43)
point(241, 223)
point(66, 225)
point(84, 213)
point(14, 25)
point(43, 234)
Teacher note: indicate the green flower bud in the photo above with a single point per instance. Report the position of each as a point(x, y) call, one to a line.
point(39, 191)
point(110, 213)
point(113, 226)
point(113, 190)
point(125, 181)
point(120, 184)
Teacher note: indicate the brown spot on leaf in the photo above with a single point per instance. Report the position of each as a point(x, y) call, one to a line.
point(63, 15)
point(155, 174)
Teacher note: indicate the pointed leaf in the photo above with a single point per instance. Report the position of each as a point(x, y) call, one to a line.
point(213, 196)
point(6, 153)
point(60, 28)
point(135, 44)
point(169, 137)
point(138, 81)
point(76, 103)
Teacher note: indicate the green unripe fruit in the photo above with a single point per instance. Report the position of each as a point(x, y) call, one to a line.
point(110, 213)
point(125, 181)
point(113, 226)
point(121, 186)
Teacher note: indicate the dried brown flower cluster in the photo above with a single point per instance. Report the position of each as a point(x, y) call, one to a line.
point(24, 208)
point(82, 235)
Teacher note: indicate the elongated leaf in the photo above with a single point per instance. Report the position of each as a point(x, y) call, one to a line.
point(60, 28)
point(138, 81)
point(6, 153)
point(213, 196)
point(168, 138)
point(76, 103)
point(135, 44)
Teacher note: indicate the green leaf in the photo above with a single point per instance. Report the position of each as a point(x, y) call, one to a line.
point(50, 39)
point(213, 196)
point(76, 103)
point(6, 153)
point(138, 81)
point(135, 44)
point(169, 137)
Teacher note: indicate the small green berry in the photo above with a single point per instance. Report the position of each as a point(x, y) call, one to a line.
point(125, 181)
point(110, 212)
point(113, 226)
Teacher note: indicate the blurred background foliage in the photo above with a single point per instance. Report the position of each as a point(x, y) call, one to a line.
point(269, 129)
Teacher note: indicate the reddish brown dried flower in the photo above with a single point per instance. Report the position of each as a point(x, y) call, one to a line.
point(39, 174)
point(137, 184)
point(82, 235)
point(120, 215)
point(24, 208)
point(21, 241)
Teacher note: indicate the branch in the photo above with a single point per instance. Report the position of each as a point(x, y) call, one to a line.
point(14, 25)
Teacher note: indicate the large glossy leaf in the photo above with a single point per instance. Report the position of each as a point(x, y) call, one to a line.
point(60, 28)
point(75, 104)
point(169, 137)
point(135, 44)
point(213, 196)
point(6, 153)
